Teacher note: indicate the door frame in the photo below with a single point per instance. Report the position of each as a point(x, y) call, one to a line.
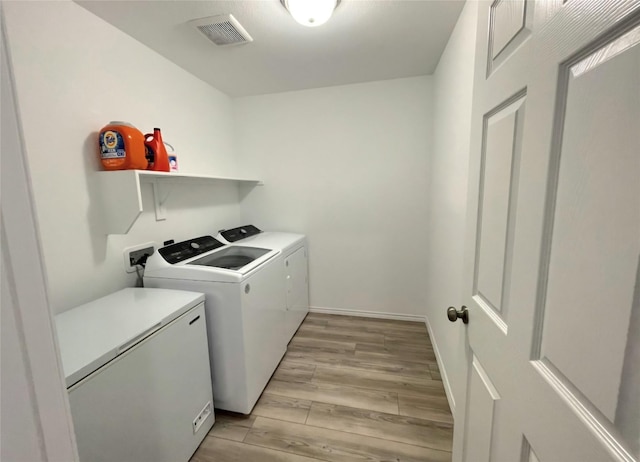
point(26, 280)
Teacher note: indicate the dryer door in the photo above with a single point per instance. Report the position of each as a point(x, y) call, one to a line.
point(297, 280)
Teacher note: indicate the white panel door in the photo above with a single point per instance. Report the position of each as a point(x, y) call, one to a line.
point(552, 260)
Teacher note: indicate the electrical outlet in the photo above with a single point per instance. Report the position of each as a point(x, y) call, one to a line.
point(134, 253)
point(201, 417)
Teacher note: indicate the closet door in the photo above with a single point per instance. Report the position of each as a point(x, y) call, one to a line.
point(552, 284)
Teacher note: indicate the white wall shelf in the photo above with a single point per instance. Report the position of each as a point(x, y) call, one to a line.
point(122, 195)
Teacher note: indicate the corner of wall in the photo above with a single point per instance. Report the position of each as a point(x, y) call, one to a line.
point(453, 94)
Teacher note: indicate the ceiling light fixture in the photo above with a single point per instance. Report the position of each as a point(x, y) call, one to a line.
point(311, 13)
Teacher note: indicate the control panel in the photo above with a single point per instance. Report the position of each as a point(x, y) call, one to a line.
point(241, 232)
point(181, 251)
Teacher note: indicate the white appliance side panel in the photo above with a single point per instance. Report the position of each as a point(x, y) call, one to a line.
point(290, 322)
point(141, 406)
point(225, 332)
point(263, 312)
point(297, 289)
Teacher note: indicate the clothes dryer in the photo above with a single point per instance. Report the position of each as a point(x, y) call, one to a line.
point(293, 260)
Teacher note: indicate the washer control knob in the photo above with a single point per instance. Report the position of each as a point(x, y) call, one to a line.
point(195, 245)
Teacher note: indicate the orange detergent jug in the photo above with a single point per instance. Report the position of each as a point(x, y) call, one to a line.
point(122, 147)
point(156, 152)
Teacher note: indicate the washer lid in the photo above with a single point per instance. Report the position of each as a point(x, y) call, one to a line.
point(232, 258)
point(93, 334)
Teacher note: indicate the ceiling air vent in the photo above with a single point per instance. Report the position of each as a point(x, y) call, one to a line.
point(222, 30)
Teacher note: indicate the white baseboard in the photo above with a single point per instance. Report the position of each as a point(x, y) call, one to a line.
point(367, 314)
point(443, 370)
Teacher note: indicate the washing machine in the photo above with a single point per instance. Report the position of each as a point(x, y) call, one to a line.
point(244, 305)
point(292, 260)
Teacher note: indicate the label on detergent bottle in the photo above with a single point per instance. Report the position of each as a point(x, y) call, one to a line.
point(112, 145)
point(149, 154)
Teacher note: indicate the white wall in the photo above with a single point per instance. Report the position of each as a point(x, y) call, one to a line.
point(453, 85)
point(348, 166)
point(75, 73)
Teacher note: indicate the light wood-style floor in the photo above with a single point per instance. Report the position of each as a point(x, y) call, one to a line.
point(348, 389)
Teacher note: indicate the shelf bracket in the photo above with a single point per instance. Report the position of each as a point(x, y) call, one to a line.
point(159, 200)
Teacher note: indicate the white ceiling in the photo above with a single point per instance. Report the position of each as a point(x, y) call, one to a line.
point(365, 40)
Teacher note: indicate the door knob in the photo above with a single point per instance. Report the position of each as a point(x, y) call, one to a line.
point(454, 314)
